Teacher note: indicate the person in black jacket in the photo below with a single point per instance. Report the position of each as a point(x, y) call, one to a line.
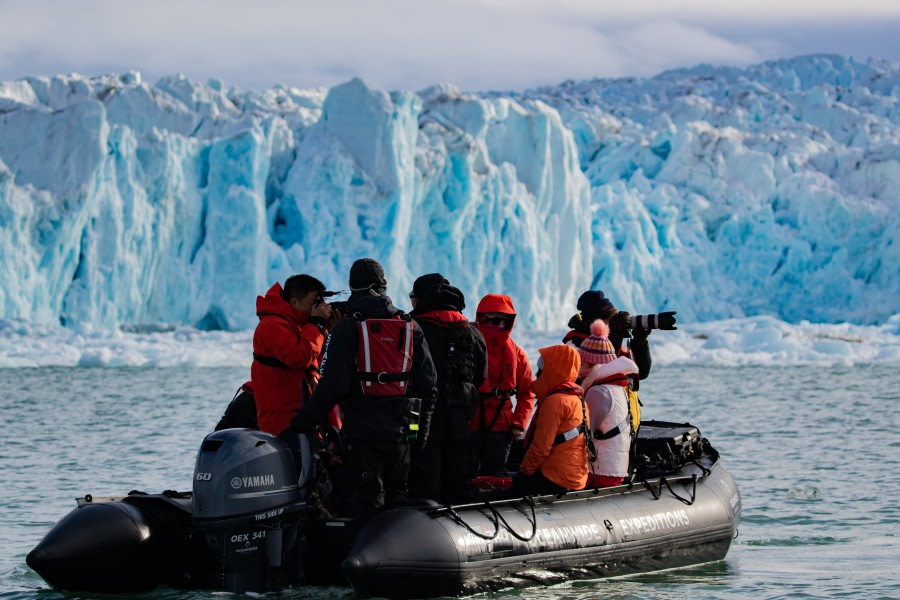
point(241, 411)
point(440, 470)
point(594, 305)
point(375, 428)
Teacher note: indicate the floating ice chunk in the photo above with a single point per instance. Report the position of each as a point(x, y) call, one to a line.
point(804, 492)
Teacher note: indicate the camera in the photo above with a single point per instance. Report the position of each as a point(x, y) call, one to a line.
point(663, 320)
point(340, 306)
point(324, 296)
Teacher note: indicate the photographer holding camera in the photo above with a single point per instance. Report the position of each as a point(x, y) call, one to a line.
point(287, 348)
point(593, 305)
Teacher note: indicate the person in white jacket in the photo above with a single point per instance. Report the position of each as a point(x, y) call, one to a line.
point(604, 379)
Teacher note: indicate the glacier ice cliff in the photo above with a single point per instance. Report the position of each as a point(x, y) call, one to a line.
point(717, 192)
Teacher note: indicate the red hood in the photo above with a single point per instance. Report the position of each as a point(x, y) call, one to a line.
point(498, 303)
point(273, 304)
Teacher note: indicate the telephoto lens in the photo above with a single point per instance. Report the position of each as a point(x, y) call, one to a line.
point(663, 320)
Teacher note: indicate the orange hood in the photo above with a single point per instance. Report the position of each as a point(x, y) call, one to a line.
point(561, 364)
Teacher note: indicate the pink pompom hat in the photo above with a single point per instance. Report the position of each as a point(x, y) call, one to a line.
point(596, 349)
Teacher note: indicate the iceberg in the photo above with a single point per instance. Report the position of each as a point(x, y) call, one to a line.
point(718, 192)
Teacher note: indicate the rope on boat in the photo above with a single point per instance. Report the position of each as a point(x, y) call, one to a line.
point(665, 482)
point(706, 472)
point(459, 520)
point(512, 532)
point(496, 518)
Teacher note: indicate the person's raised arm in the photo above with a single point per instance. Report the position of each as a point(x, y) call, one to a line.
point(337, 370)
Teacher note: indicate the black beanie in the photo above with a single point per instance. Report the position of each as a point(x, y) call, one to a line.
point(425, 282)
point(594, 305)
point(366, 273)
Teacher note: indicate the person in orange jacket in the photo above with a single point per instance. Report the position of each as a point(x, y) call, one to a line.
point(556, 450)
point(496, 423)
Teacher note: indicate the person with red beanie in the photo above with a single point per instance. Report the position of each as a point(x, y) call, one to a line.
point(498, 419)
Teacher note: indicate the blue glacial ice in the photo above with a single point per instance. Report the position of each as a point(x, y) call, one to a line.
point(771, 191)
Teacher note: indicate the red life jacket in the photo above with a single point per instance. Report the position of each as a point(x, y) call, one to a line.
point(384, 355)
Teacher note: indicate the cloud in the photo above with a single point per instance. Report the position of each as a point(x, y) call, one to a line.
point(671, 44)
point(409, 44)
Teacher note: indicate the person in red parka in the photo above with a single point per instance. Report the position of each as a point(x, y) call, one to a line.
point(499, 420)
point(287, 346)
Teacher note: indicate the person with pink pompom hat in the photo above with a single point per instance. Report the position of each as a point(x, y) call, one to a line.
point(604, 378)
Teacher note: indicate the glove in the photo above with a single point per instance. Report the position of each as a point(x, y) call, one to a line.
point(301, 425)
point(639, 334)
point(666, 320)
point(424, 430)
point(620, 325)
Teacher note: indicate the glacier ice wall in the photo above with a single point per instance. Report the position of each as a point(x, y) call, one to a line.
point(724, 192)
point(716, 192)
point(125, 203)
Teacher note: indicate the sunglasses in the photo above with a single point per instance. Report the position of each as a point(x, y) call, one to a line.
point(501, 322)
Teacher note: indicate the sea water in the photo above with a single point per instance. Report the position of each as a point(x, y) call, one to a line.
point(814, 450)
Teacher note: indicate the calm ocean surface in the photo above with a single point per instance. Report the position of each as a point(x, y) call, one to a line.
point(815, 451)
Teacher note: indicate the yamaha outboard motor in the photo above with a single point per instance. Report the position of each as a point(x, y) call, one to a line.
point(248, 506)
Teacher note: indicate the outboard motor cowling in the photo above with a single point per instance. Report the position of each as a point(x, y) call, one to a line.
point(248, 507)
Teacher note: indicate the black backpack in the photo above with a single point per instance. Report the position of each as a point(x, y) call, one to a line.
point(453, 348)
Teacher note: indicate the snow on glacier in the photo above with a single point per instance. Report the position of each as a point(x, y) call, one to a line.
point(770, 191)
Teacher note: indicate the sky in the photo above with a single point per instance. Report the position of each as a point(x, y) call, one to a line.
point(476, 45)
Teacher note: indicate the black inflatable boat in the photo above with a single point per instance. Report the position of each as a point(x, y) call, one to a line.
point(244, 528)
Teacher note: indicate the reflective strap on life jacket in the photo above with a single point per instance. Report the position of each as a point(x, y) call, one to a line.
point(367, 357)
point(269, 361)
point(407, 347)
point(383, 377)
point(569, 435)
point(620, 428)
point(381, 370)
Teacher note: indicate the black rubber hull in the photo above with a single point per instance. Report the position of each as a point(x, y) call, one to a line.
point(129, 545)
point(414, 553)
point(141, 542)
